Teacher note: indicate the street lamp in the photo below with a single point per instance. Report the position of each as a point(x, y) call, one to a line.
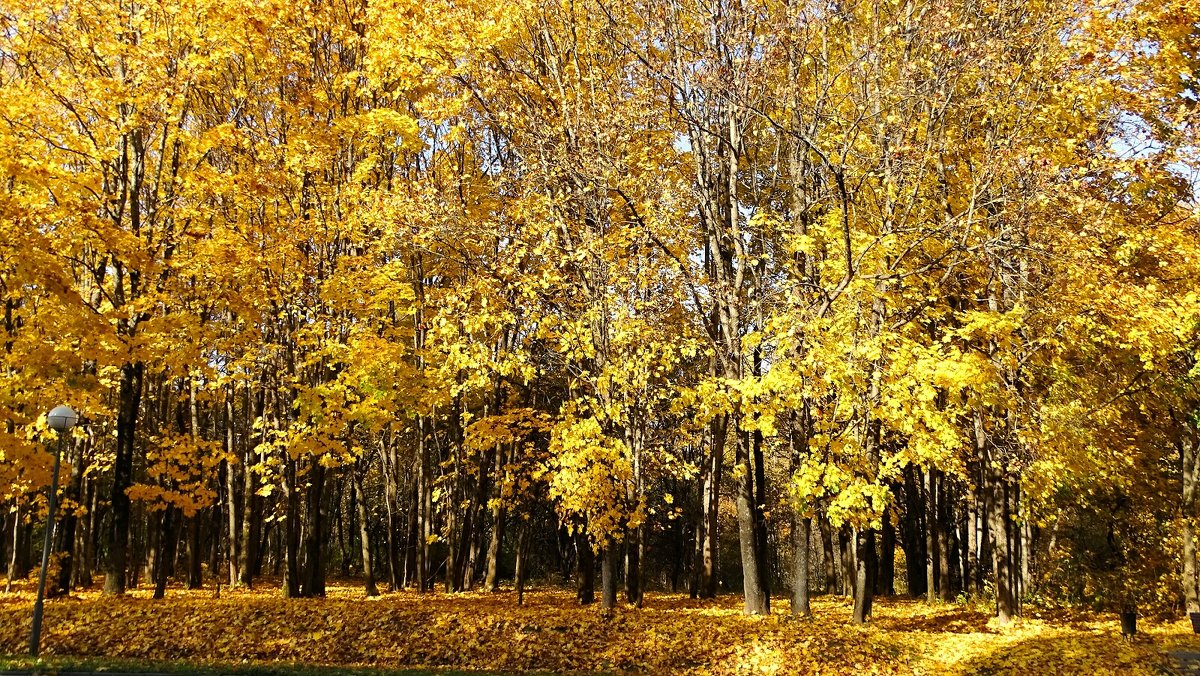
point(61, 419)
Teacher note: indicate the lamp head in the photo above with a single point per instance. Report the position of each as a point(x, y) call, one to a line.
point(61, 418)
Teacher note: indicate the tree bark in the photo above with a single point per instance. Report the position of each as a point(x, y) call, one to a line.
point(828, 556)
point(69, 522)
point(753, 590)
point(931, 533)
point(865, 572)
point(944, 523)
point(291, 555)
point(522, 563)
point(365, 535)
point(166, 552)
point(608, 576)
point(1006, 605)
point(887, 561)
point(800, 601)
point(18, 563)
point(314, 546)
point(718, 430)
point(129, 400)
point(585, 590)
point(846, 546)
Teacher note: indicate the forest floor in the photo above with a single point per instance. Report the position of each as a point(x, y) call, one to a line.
point(258, 630)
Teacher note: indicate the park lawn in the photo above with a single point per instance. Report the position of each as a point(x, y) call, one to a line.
point(258, 630)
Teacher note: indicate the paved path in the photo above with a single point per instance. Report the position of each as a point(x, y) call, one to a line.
point(1185, 662)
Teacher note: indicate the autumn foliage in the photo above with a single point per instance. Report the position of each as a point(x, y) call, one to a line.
point(671, 634)
point(774, 298)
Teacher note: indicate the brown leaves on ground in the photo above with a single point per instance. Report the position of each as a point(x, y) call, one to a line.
point(550, 632)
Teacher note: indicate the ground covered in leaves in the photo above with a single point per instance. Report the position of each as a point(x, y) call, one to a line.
point(672, 633)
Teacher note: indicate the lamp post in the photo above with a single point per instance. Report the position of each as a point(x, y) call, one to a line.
point(61, 419)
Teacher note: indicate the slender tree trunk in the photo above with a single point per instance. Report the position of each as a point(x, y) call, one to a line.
point(496, 541)
point(931, 532)
point(231, 513)
point(87, 539)
point(710, 544)
point(752, 586)
point(633, 567)
point(68, 523)
point(608, 576)
point(585, 591)
point(413, 529)
point(945, 588)
point(887, 560)
point(865, 571)
point(1191, 583)
point(633, 536)
point(829, 557)
point(166, 552)
point(522, 560)
point(18, 561)
point(291, 584)
point(365, 535)
point(129, 400)
point(914, 533)
point(391, 503)
point(1189, 459)
point(340, 517)
point(846, 545)
point(972, 550)
point(195, 552)
point(1006, 606)
point(800, 601)
point(248, 549)
point(314, 571)
point(424, 527)
point(762, 553)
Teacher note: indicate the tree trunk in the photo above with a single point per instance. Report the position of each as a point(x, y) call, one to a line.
point(830, 560)
point(585, 591)
point(391, 502)
point(800, 604)
point(291, 553)
point(1189, 458)
point(971, 562)
point(365, 534)
point(865, 572)
point(931, 533)
point(495, 543)
point(195, 553)
point(608, 576)
point(522, 560)
point(341, 515)
point(18, 562)
point(718, 430)
point(314, 546)
point(914, 534)
point(128, 402)
point(633, 567)
point(424, 526)
point(1006, 606)
point(1191, 584)
point(846, 546)
point(68, 523)
point(166, 552)
point(761, 545)
point(945, 525)
point(753, 591)
point(87, 538)
point(887, 561)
